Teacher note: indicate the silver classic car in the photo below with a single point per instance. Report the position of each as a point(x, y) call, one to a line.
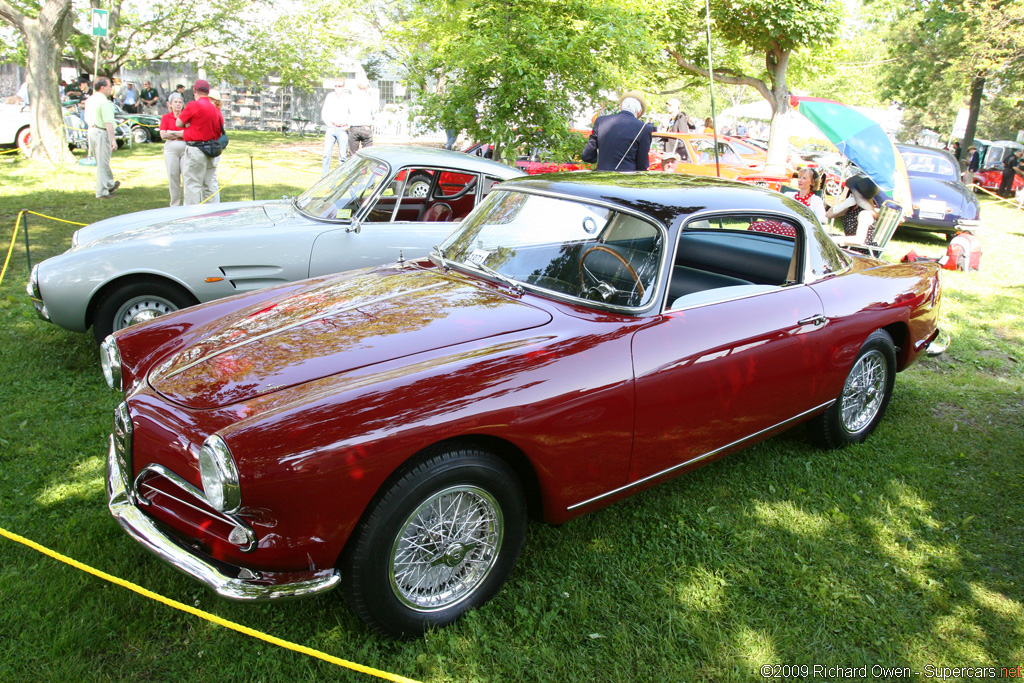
point(384, 204)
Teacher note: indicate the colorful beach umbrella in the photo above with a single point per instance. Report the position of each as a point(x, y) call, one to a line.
point(862, 141)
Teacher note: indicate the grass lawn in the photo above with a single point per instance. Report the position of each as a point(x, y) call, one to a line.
point(901, 552)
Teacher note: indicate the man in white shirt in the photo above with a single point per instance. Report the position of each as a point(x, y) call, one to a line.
point(362, 106)
point(335, 117)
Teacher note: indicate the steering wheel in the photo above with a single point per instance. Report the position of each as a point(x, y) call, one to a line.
point(608, 290)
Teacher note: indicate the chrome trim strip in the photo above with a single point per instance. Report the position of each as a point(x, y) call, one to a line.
point(298, 323)
point(191, 490)
point(143, 530)
point(702, 457)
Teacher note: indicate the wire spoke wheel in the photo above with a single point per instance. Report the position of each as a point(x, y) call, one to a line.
point(863, 392)
point(446, 548)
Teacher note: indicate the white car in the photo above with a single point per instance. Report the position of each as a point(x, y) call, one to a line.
point(383, 205)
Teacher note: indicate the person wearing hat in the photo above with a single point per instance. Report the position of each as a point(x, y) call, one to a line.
point(669, 162)
point(858, 211)
point(202, 122)
point(621, 142)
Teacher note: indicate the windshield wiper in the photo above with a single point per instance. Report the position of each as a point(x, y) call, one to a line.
point(518, 288)
point(442, 258)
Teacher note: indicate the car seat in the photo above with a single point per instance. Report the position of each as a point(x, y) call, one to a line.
point(438, 213)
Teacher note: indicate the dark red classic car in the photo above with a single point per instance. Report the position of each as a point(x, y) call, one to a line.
point(579, 338)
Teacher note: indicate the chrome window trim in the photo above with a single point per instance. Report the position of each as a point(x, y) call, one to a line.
point(191, 490)
point(699, 458)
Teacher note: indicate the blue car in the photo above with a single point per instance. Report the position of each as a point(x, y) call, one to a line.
point(942, 203)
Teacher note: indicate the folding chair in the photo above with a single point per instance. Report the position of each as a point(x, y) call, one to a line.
point(889, 218)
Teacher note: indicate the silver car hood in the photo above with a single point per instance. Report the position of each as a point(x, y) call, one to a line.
point(182, 220)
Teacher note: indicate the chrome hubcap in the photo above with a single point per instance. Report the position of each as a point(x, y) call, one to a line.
point(862, 395)
point(446, 548)
point(419, 188)
point(141, 309)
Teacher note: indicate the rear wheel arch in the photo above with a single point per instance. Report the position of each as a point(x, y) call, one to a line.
point(900, 333)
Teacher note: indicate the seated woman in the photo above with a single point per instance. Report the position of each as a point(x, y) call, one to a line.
point(858, 211)
point(808, 182)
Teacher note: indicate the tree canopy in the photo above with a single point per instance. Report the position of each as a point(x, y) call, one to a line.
point(516, 72)
point(754, 43)
point(946, 54)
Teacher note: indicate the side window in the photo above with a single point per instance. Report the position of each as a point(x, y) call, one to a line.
point(452, 183)
point(404, 197)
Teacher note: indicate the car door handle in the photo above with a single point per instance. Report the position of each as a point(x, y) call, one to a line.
point(816, 320)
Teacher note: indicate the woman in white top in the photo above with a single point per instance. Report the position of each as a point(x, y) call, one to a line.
point(807, 183)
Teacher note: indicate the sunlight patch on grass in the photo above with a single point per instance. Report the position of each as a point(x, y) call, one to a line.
point(704, 592)
point(81, 483)
point(787, 516)
point(998, 604)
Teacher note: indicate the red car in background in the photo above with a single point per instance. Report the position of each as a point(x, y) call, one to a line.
point(991, 173)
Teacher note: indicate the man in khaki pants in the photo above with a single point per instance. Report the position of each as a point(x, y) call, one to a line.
point(99, 114)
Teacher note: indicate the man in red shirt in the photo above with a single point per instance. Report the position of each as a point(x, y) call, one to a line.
point(202, 122)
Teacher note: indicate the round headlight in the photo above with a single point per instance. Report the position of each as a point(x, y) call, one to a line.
point(219, 476)
point(110, 361)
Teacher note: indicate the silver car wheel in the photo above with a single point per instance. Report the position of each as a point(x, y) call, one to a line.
point(446, 548)
point(140, 309)
point(864, 390)
point(140, 135)
point(418, 186)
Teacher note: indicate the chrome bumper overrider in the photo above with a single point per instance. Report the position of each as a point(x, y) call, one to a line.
point(245, 585)
point(940, 343)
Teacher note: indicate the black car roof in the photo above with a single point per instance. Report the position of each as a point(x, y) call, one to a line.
point(665, 196)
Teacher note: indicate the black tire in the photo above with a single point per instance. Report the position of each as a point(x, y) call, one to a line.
point(468, 487)
point(864, 398)
point(136, 302)
point(418, 185)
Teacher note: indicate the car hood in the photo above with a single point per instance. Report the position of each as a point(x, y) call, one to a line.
point(334, 325)
point(160, 224)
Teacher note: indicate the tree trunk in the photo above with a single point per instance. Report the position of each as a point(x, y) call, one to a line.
point(45, 37)
point(977, 90)
point(778, 140)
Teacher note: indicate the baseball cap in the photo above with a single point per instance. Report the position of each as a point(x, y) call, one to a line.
point(201, 85)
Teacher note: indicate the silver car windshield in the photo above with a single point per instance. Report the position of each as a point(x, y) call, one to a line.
point(565, 247)
point(339, 195)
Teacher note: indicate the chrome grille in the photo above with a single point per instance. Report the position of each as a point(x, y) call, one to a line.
point(123, 445)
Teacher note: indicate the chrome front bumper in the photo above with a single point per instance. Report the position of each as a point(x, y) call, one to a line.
point(243, 585)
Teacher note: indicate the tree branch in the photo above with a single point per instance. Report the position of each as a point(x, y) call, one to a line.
point(755, 83)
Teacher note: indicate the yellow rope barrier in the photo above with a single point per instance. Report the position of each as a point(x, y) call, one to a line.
point(221, 187)
point(52, 218)
point(14, 238)
point(206, 615)
point(1002, 199)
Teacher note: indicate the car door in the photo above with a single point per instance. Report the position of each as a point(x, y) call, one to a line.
point(418, 208)
point(731, 362)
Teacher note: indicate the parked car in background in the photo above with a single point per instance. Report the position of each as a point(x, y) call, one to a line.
point(697, 152)
point(144, 127)
point(579, 338)
point(991, 173)
point(16, 127)
point(383, 204)
point(941, 201)
point(533, 164)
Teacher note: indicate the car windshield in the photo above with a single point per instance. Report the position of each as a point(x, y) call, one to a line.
point(561, 246)
point(923, 164)
point(705, 151)
point(340, 194)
